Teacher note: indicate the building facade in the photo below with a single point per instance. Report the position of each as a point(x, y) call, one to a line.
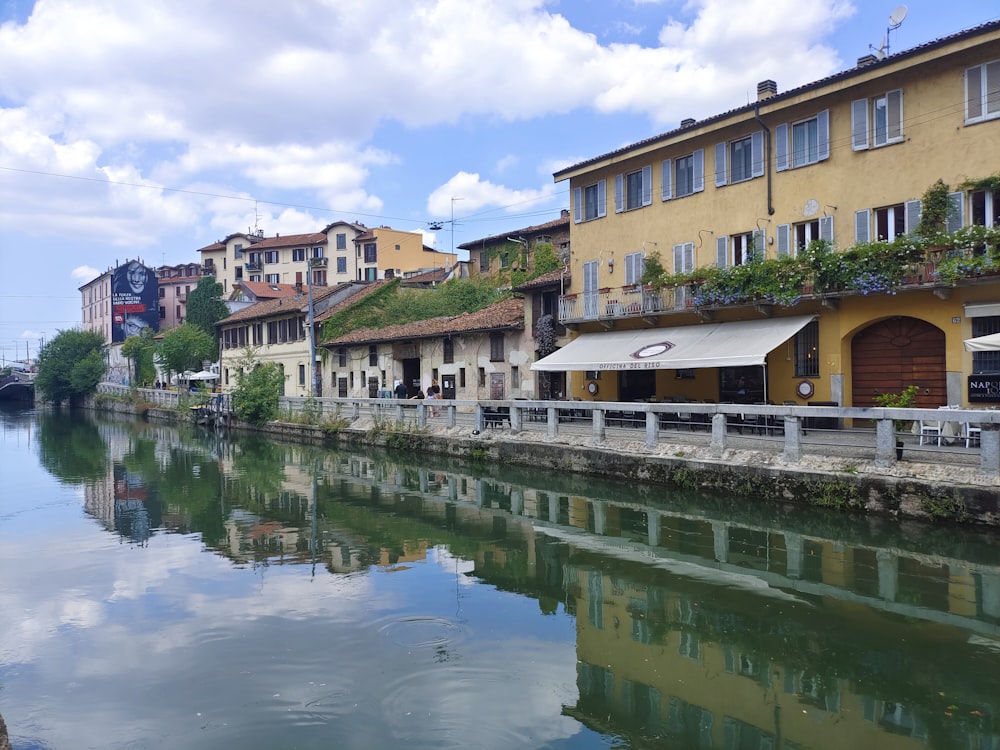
point(382, 253)
point(175, 284)
point(492, 255)
point(847, 160)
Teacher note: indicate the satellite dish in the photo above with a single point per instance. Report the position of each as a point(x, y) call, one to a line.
point(880, 52)
point(897, 16)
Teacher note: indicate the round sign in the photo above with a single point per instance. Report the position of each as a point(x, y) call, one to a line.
point(592, 388)
point(805, 388)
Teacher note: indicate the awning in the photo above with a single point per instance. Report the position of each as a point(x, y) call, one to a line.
point(704, 345)
point(989, 343)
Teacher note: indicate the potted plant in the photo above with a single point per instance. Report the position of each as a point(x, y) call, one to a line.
point(906, 399)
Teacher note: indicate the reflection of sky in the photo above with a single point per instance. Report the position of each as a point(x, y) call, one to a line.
point(112, 645)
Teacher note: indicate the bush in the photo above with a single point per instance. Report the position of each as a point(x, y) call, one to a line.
point(255, 398)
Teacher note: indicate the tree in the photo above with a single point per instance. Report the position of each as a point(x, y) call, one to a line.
point(70, 366)
point(205, 306)
point(258, 388)
point(185, 348)
point(139, 349)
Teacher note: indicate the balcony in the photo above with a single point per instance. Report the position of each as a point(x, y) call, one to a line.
point(254, 265)
point(621, 302)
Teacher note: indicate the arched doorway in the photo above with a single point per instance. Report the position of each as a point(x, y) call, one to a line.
point(889, 355)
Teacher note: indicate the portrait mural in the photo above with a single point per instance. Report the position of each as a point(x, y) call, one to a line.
point(135, 300)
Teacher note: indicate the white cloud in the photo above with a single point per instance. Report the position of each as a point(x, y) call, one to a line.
point(30, 333)
point(476, 193)
point(84, 274)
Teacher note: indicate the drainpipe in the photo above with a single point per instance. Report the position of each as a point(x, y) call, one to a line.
point(767, 155)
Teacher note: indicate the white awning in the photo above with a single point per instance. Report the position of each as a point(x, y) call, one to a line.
point(989, 343)
point(704, 345)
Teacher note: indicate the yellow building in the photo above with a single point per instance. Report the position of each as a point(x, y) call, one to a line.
point(383, 253)
point(848, 159)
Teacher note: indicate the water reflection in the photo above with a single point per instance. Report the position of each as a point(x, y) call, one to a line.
point(696, 621)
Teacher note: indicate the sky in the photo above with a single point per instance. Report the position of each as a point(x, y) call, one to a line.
point(149, 130)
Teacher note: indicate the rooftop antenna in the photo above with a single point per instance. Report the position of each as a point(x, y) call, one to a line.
point(896, 19)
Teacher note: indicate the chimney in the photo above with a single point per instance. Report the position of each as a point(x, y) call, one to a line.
point(564, 214)
point(766, 89)
point(866, 60)
point(687, 122)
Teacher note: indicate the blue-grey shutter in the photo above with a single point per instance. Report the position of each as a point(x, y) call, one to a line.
point(759, 244)
point(665, 179)
point(912, 216)
point(862, 226)
point(823, 134)
point(722, 251)
point(781, 148)
point(826, 228)
point(602, 198)
point(577, 205)
point(699, 170)
point(757, 154)
point(647, 185)
point(619, 193)
point(688, 257)
point(720, 164)
point(956, 217)
point(894, 115)
point(784, 240)
point(859, 124)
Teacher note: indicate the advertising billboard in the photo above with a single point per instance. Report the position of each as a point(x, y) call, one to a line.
point(135, 301)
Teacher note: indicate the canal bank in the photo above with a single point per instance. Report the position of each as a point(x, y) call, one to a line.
point(940, 487)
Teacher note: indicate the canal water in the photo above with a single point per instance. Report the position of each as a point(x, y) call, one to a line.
point(170, 588)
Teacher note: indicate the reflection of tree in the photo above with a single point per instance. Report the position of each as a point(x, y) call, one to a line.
point(70, 447)
point(259, 468)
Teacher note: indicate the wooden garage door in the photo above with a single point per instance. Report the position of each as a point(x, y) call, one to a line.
point(890, 355)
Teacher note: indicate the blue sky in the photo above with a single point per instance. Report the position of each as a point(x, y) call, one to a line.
point(152, 129)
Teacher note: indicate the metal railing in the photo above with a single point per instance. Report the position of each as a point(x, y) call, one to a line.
point(789, 431)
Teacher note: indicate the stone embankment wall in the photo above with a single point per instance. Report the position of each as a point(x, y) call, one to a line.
point(934, 492)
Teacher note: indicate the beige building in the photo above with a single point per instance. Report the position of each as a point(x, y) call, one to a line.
point(95, 305)
point(846, 159)
point(383, 253)
point(514, 249)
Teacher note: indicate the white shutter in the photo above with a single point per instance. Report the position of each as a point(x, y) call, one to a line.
point(720, 164)
point(784, 240)
point(665, 179)
point(759, 244)
point(577, 205)
point(894, 112)
point(722, 251)
point(679, 258)
point(647, 185)
point(757, 154)
point(688, 257)
point(699, 170)
point(859, 124)
point(956, 219)
point(781, 148)
point(911, 218)
point(862, 226)
point(602, 198)
point(826, 228)
point(619, 193)
point(823, 135)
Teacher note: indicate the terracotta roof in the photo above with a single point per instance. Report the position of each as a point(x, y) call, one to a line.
point(849, 73)
point(359, 295)
point(427, 277)
point(508, 314)
point(213, 246)
point(291, 240)
point(281, 305)
point(561, 223)
point(262, 290)
point(552, 278)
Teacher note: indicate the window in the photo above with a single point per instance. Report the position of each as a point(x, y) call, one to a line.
point(739, 160)
point(317, 252)
point(342, 387)
point(341, 264)
point(342, 356)
point(505, 260)
point(807, 351)
point(877, 121)
point(318, 278)
point(982, 92)
point(270, 256)
point(802, 234)
point(515, 377)
point(373, 355)
point(985, 206)
point(890, 221)
point(684, 257)
point(371, 274)
point(590, 202)
point(238, 248)
point(985, 362)
point(805, 142)
point(371, 253)
point(482, 377)
point(634, 266)
point(461, 377)
point(341, 241)
point(163, 293)
point(448, 356)
point(298, 255)
point(302, 375)
point(163, 313)
point(739, 249)
point(496, 347)
point(683, 176)
point(634, 190)
point(272, 278)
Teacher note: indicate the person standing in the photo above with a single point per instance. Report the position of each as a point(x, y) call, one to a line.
point(399, 390)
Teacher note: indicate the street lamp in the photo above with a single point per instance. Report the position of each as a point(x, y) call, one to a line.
point(314, 385)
